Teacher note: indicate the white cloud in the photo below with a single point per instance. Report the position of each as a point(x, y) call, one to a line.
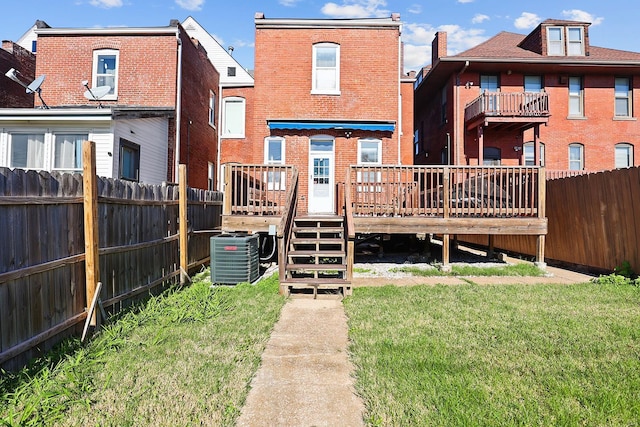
point(479, 18)
point(356, 9)
point(106, 4)
point(581, 15)
point(465, 1)
point(288, 3)
point(415, 9)
point(527, 21)
point(190, 4)
point(417, 40)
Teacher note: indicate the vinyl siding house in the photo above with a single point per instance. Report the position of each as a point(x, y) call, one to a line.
point(548, 98)
point(151, 118)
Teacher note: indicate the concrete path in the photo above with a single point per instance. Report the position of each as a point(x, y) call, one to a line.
point(305, 375)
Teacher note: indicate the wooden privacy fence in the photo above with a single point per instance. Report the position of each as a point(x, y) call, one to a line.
point(594, 221)
point(44, 291)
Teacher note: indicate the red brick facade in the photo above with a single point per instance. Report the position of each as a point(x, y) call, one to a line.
point(13, 95)
point(147, 78)
point(369, 69)
point(454, 82)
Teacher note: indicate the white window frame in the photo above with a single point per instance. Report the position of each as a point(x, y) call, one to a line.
point(211, 174)
point(580, 160)
point(622, 95)
point(212, 109)
point(360, 178)
point(315, 68)
point(113, 94)
point(43, 156)
point(528, 155)
point(55, 147)
point(572, 50)
point(272, 182)
point(576, 96)
point(628, 148)
point(226, 132)
point(555, 47)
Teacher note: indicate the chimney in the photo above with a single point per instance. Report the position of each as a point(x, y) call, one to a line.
point(438, 47)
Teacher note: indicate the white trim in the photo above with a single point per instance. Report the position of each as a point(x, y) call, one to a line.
point(243, 103)
point(314, 70)
point(107, 31)
point(271, 182)
point(97, 53)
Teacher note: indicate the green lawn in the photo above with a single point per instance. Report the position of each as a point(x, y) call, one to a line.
point(186, 358)
point(523, 355)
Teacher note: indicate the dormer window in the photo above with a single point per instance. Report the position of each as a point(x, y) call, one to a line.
point(563, 41)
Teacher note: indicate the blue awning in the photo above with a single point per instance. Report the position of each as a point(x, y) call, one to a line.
point(320, 125)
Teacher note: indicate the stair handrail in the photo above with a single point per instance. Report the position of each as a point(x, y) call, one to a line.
point(283, 232)
point(350, 229)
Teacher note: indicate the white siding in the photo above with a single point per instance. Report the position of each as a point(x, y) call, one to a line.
point(152, 136)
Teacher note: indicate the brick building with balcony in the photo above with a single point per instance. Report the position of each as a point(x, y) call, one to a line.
point(548, 98)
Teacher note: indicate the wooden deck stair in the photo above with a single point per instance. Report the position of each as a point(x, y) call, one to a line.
point(317, 257)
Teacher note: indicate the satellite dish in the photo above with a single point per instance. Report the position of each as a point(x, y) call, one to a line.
point(34, 86)
point(97, 92)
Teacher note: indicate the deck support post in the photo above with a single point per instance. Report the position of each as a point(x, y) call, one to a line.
point(542, 213)
point(446, 266)
point(491, 251)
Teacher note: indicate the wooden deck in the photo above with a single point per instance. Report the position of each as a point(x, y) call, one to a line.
point(442, 200)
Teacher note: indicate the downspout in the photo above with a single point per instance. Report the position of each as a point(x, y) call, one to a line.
point(178, 107)
point(456, 132)
point(219, 133)
point(400, 71)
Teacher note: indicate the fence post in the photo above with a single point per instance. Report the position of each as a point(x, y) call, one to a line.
point(183, 223)
point(542, 213)
point(90, 196)
point(227, 189)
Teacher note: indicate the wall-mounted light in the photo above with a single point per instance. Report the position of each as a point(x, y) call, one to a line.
point(468, 85)
point(517, 148)
point(347, 133)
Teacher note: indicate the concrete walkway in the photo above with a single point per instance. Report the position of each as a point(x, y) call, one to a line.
point(305, 375)
point(305, 378)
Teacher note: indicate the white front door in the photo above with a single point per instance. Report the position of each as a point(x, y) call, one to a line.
point(321, 177)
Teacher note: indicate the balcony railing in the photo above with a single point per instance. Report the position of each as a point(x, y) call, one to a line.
point(508, 104)
point(452, 191)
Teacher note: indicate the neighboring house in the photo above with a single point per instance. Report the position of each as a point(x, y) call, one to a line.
point(12, 55)
point(29, 40)
point(327, 95)
point(236, 83)
point(159, 111)
point(547, 98)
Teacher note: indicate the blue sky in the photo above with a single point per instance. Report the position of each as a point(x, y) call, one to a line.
point(467, 22)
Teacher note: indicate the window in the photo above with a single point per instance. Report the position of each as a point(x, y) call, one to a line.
point(622, 97)
point(105, 71)
point(326, 69)
point(416, 142)
point(67, 151)
point(529, 154)
point(212, 108)
point(211, 176)
point(274, 155)
point(533, 84)
point(576, 102)
point(34, 46)
point(369, 154)
point(443, 106)
point(27, 150)
point(555, 41)
point(129, 160)
point(231, 71)
point(489, 83)
point(576, 157)
point(491, 156)
point(575, 41)
point(233, 117)
point(624, 155)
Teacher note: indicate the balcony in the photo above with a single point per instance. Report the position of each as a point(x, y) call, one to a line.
point(507, 110)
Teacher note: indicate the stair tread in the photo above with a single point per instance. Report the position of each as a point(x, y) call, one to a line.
point(321, 281)
point(321, 253)
point(313, 240)
point(317, 229)
point(314, 267)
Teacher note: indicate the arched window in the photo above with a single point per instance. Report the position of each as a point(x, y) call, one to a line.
point(233, 112)
point(624, 155)
point(105, 71)
point(326, 69)
point(529, 154)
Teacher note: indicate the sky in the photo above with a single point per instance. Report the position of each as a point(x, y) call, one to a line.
point(467, 22)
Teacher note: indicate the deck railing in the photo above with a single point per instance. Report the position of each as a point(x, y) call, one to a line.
point(508, 104)
point(451, 191)
point(256, 189)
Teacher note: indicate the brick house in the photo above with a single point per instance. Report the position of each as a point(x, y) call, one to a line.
point(327, 94)
point(547, 98)
point(159, 109)
point(12, 55)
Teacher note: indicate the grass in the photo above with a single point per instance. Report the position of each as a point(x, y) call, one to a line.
point(185, 358)
point(520, 269)
point(497, 355)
